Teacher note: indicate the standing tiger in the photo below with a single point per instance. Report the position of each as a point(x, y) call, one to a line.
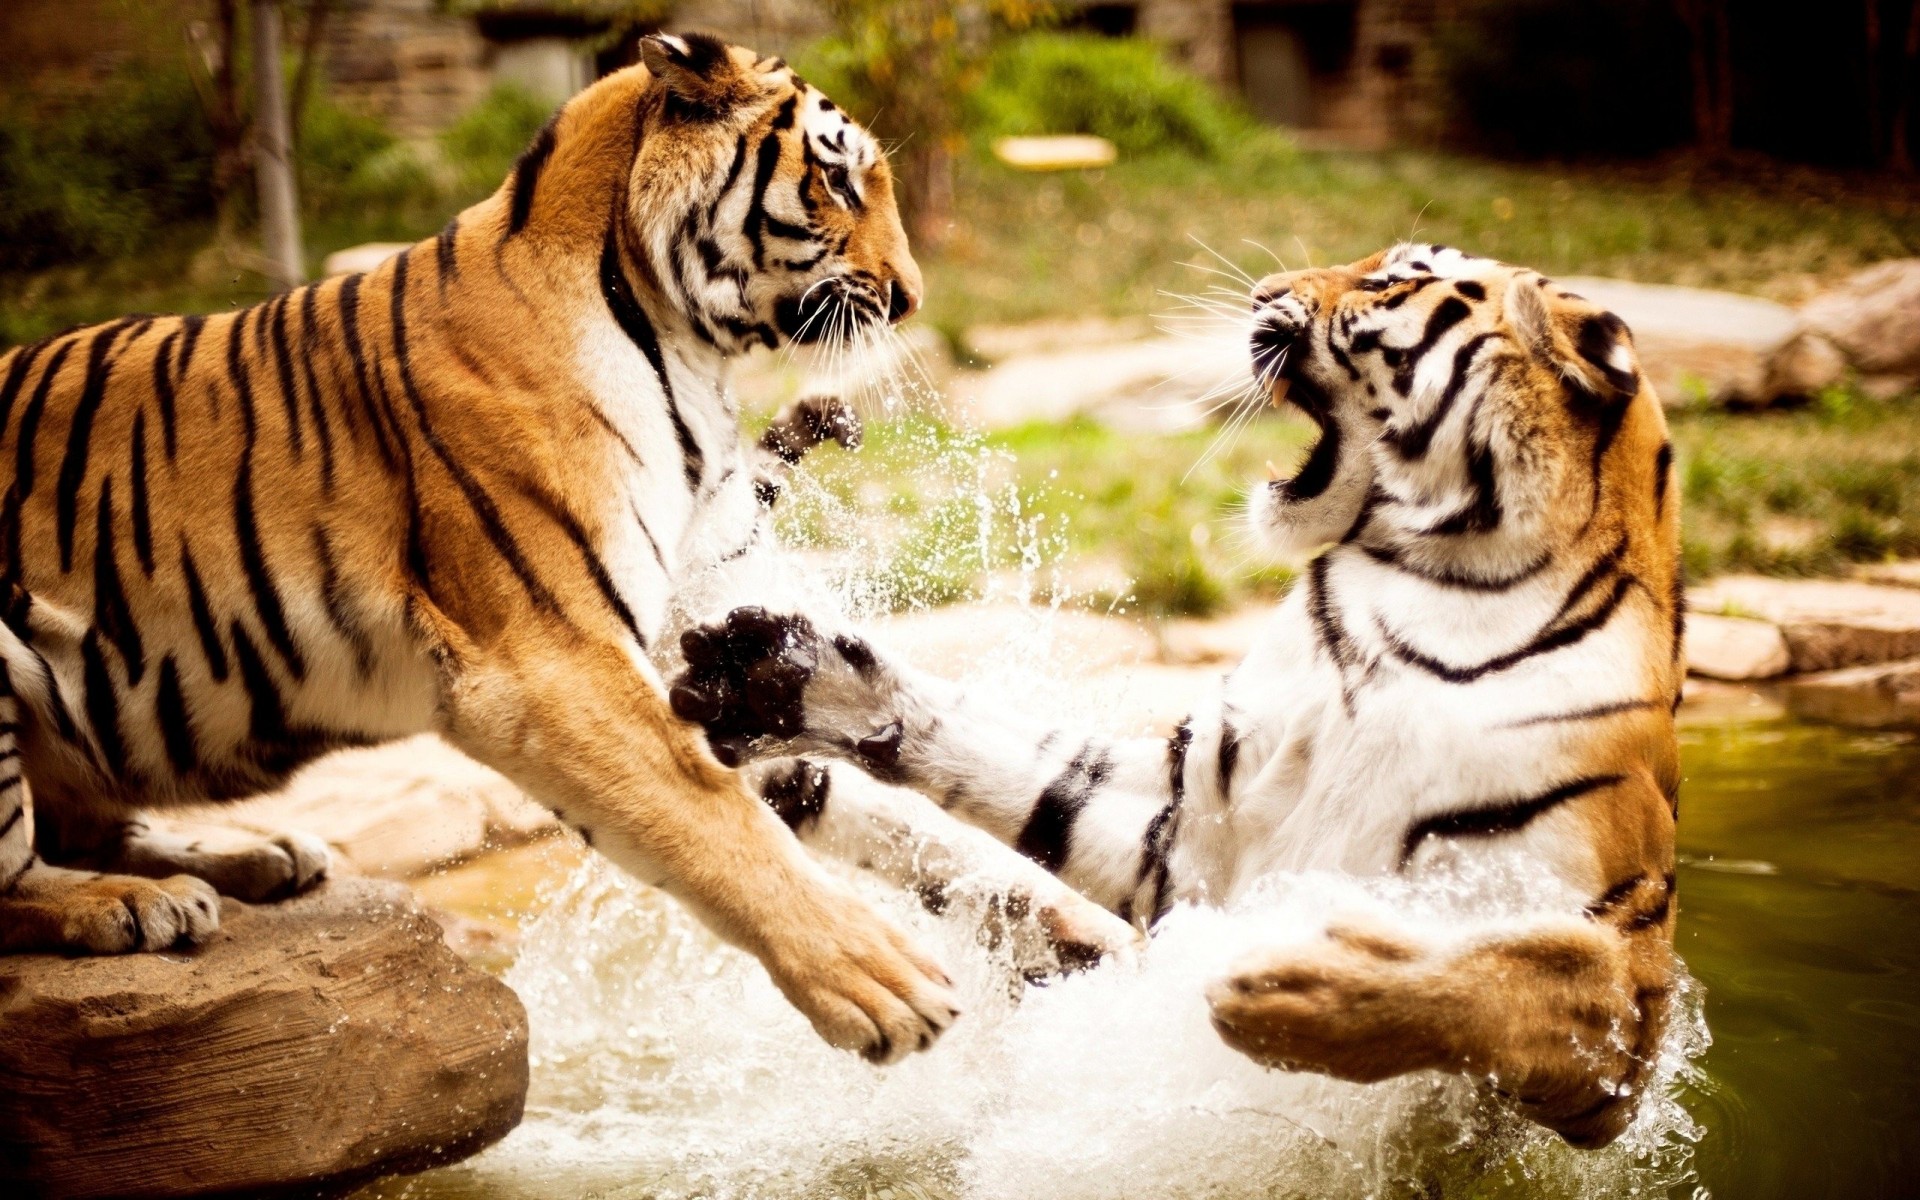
point(457, 493)
point(1472, 688)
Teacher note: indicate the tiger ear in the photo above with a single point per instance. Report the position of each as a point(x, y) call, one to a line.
point(696, 69)
point(1592, 348)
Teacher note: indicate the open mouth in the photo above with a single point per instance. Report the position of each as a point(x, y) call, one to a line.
point(832, 307)
point(1276, 364)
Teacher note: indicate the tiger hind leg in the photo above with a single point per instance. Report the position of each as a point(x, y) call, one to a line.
point(246, 866)
point(1563, 1015)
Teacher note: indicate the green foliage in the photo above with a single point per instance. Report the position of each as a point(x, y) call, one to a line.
point(1800, 493)
point(480, 147)
point(101, 178)
point(1122, 89)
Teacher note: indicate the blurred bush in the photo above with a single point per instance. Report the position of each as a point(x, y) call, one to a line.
point(1121, 89)
point(99, 179)
point(1544, 78)
point(480, 147)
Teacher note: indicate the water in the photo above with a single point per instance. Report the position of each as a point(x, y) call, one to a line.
point(666, 1066)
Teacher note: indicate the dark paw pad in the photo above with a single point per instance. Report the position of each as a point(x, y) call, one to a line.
point(746, 678)
point(798, 794)
point(806, 423)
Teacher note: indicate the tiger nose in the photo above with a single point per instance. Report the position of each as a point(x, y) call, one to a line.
point(902, 301)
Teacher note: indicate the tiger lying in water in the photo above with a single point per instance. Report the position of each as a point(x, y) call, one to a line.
point(1478, 676)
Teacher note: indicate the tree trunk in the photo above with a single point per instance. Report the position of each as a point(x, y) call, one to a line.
point(1710, 63)
point(272, 159)
point(217, 82)
point(1872, 23)
point(929, 192)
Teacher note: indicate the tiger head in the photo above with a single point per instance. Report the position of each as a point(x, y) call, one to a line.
point(1466, 408)
point(766, 213)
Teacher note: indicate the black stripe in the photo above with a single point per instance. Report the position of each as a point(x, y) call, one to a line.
point(73, 465)
point(1047, 838)
point(6, 827)
point(1332, 636)
point(1449, 577)
point(1556, 638)
point(30, 421)
point(267, 722)
point(112, 615)
point(633, 321)
point(526, 176)
point(142, 520)
point(1414, 441)
point(16, 378)
point(1655, 915)
point(1445, 316)
point(191, 327)
point(176, 727)
point(266, 595)
point(1611, 898)
point(102, 707)
point(1597, 712)
point(1165, 826)
point(283, 367)
point(767, 158)
point(1603, 567)
point(333, 595)
point(445, 254)
point(477, 498)
point(349, 299)
point(309, 350)
point(1505, 816)
point(163, 388)
point(557, 511)
point(1482, 513)
point(203, 622)
point(1229, 755)
point(1662, 469)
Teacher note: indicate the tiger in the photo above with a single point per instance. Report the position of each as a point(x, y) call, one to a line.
point(461, 493)
point(1472, 687)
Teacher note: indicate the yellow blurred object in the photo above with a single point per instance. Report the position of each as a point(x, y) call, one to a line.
point(1062, 152)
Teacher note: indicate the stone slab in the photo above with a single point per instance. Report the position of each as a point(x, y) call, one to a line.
point(1886, 696)
point(1828, 624)
point(309, 1046)
point(1735, 648)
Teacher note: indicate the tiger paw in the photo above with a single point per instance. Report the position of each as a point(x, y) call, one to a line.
point(79, 912)
point(767, 685)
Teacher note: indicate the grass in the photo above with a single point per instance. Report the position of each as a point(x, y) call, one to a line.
point(931, 514)
point(1111, 242)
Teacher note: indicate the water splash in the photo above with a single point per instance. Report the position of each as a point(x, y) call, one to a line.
point(666, 1065)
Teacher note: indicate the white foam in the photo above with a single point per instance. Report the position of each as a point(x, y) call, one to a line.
point(666, 1065)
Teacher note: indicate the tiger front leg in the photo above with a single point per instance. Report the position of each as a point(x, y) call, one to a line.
point(257, 869)
point(577, 725)
point(1563, 1015)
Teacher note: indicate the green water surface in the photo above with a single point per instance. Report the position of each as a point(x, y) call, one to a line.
point(1800, 913)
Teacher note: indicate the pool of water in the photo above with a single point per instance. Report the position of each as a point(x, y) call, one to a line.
point(666, 1066)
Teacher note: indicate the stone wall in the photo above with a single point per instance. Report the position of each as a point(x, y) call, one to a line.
point(408, 62)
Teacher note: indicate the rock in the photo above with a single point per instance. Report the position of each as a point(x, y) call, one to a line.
point(1886, 696)
point(1827, 624)
point(364, 257)
point(1905, 573)
point(308, 1047)
point(1806, 366)
point(1874, 319)
point(1735, 648)
point(396, 811)
point(1693, 341)
point(1057, 152)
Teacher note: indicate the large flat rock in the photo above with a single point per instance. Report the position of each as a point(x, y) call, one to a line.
point(396, 811)
point(1827, 624)
point(308, 1047)
point(1735, 649)
point(1879, 697)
